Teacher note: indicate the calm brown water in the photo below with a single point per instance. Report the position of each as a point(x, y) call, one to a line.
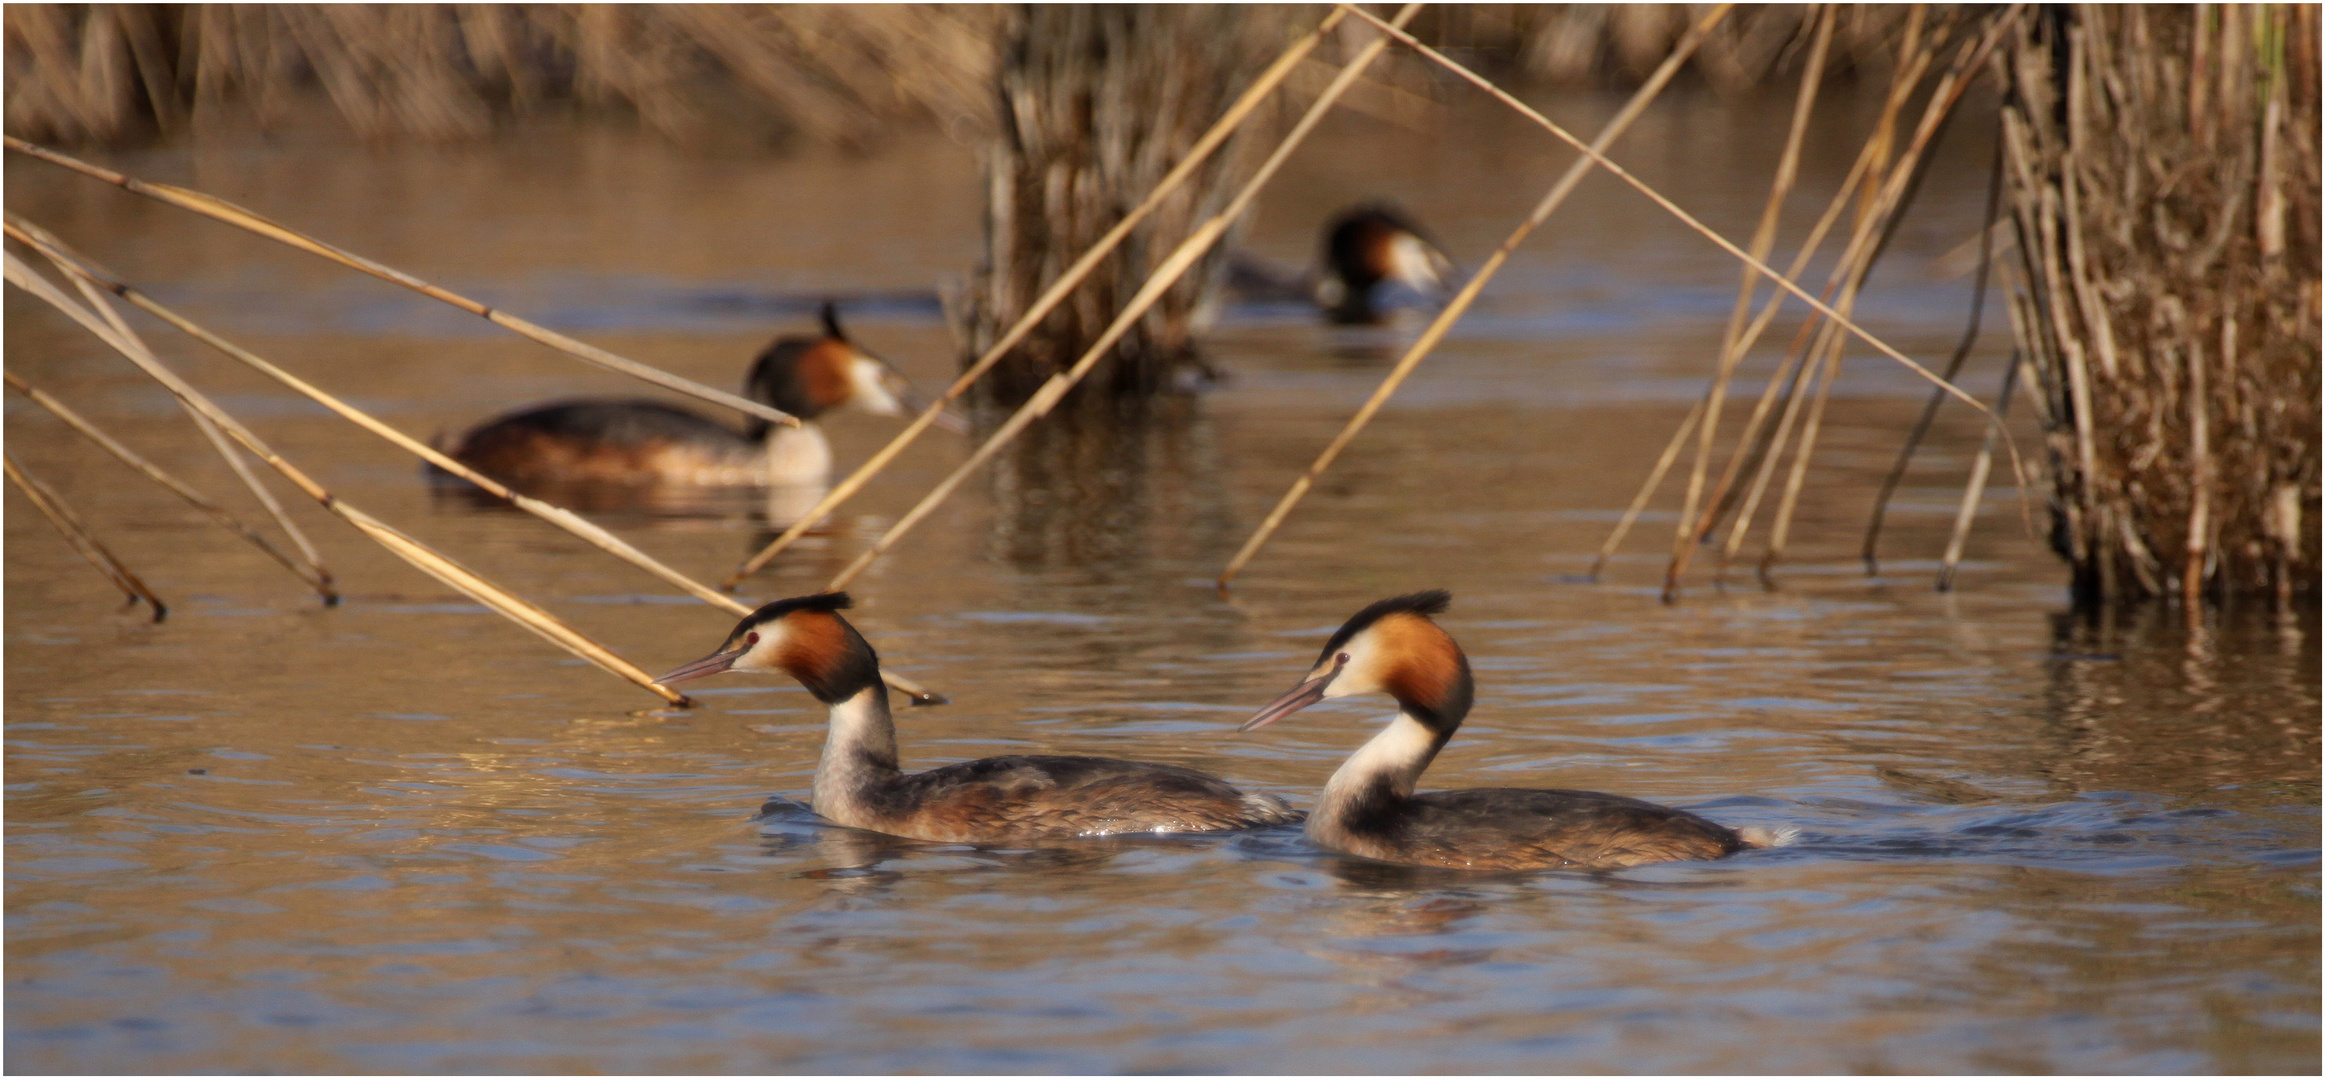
point(402, 836)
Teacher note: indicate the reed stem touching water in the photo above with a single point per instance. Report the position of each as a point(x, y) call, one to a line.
point(77, 533)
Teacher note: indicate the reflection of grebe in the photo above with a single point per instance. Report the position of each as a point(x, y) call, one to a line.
point(1016, 797)
point(1368, 808)
point(641, 443)
point(1365, 247)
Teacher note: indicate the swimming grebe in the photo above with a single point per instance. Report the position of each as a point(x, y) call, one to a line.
point(1369, 245)
point(638, 442)
point(996, 799)
point(1369, 808)
point(1364, 247)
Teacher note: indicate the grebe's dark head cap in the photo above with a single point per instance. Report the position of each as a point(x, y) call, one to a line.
point(1425, 603)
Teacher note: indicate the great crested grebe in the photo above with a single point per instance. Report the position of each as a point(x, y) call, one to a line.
point(1369, 245)
point(997, 799)
point(639, 442)
point(1369, 808)
point(1364, 248)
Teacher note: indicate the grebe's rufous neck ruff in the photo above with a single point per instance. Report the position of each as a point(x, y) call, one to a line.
point(1015, 797)
point(1369, 808)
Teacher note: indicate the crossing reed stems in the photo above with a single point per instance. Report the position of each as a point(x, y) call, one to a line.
point(1462, 299)
point(180, 488)
point(77, 533)
point(419, 555)
point(589, 532)
point(1051, 297)
point(1166, 274)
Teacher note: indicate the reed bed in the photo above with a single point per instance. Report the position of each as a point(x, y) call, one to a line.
point(2161, 173)
point(758, 73)
point(835, 74)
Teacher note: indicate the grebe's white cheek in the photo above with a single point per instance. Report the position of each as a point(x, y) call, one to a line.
point(870, 380)
point(1414, 263)
point(761, 655)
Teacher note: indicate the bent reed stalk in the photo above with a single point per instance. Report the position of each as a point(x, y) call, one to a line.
point(419, 555)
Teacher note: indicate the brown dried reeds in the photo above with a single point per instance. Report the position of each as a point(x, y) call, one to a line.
point(837, 73)
point(1939, 54)
point(1098, 101)
point(2162, 183)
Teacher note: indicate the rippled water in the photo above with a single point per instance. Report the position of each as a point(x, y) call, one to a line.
point(399, 835)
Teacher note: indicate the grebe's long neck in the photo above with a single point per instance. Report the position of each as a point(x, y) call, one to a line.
point(859, 757)
point(1380, 775)
point(798, 455)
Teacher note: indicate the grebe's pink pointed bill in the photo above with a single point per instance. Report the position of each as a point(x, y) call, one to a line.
point(709, 665)
point(1308, 693)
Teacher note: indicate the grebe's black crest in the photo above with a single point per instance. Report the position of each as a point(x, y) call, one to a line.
point(831, 318)
point(769, 612)
point(1425, 603)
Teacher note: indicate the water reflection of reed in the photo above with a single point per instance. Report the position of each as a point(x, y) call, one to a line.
point(1112, 484)
point(2140, 700)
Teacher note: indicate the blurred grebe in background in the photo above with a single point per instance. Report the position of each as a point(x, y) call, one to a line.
point(1365, 249)
point(643, 443)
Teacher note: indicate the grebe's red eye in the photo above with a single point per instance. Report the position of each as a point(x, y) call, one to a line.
point(1341, 659)
point(750, 639)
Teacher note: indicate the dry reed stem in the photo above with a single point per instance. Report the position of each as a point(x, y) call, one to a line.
point(1976, 487)
point(427, 560)
point(1717, 501)
point(1462, 299)
point(1639, 501)
point(1837, 319)
point(1211, 140)
point(1752, 335)
point(1166, 274)
point(2163, 170)
point(134, 460)
point(1732, 345)
point(225, 448)
point(220, 210)
point(1954, 367)
point(1879, 202)
point(1880, 216)
point(76, 532)
point(1783, 282)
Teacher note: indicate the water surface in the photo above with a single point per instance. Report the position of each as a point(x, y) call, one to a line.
point(401, 836)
